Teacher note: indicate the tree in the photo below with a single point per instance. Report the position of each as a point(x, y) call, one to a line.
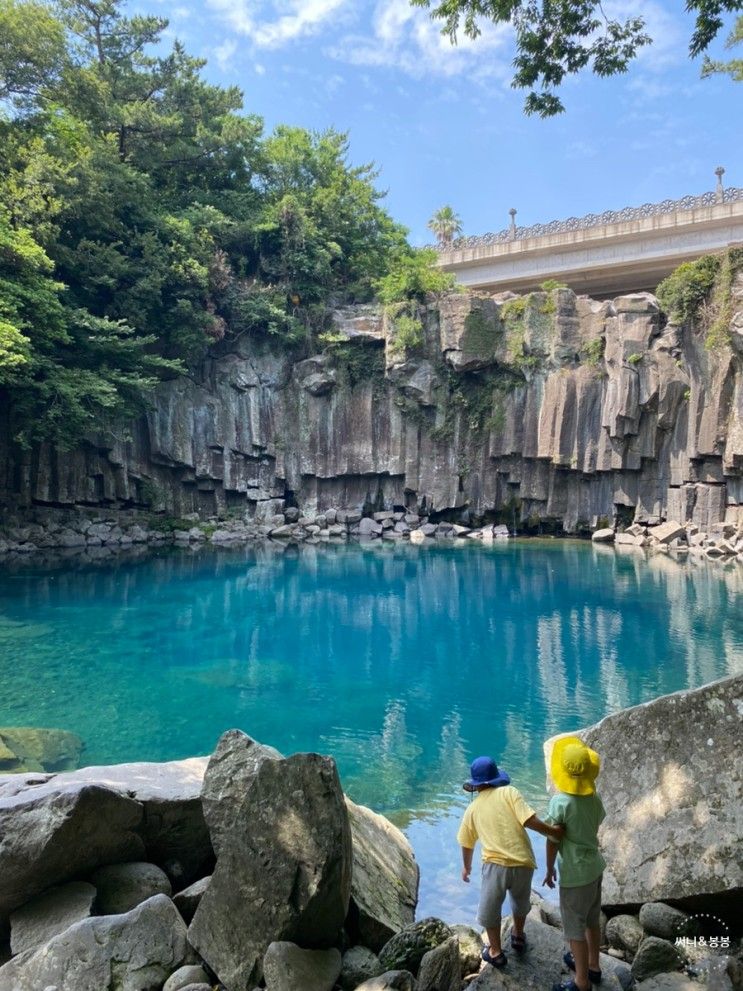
point(446, 225)
point(556, 38)
point(733, 68)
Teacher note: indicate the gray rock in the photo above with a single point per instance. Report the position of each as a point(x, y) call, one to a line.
point(625, 933)
point(121, 887)
point(229, 774)
point(132, 952)
point(406, 949)
point(287, 877)
point(673, 823)
point(50, 913)
point(655, 956)
point(603, 536)
point(391, 980)
point(359, 964)
point(668, 982)
point(53, 832)
point(369, 527)
point(659, 919)
point(470, 948)
point(187, 900)
point(441, 968)
point(286, 967)
point(541, 965)
point(186, 977)
point(384, 881)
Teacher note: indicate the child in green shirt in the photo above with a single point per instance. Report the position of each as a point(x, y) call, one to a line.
point(574, 768)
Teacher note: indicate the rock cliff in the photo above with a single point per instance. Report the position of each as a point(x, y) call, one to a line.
point(549, 407)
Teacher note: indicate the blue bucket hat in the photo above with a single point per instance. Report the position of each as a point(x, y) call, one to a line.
point(485, 771)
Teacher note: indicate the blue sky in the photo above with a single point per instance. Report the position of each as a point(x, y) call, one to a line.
point(443, 124)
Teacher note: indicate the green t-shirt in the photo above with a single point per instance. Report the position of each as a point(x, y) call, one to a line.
point(578, 858)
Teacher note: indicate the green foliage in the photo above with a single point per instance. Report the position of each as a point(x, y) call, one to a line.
point(634, 359)
point(408, 330)
point(413, 276)
point(593, 351)
point(687, 287)
point(549, 285)
point(732, 68)
point(718, 334)
point(557, 40)
point(143, 218)
point(356, 362)
point(514, 309)
point(446, 225)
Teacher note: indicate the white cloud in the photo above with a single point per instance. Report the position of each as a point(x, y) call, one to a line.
point(407, 39)
point(275, 23)
point(224, 52)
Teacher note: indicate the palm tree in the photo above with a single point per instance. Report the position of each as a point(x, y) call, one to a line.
point(445, 224)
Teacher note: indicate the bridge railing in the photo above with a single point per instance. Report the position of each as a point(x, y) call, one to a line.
point(513, 233)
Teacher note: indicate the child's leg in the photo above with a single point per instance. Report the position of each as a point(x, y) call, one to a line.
point(519, 890)
point(579, 913)
point(593, 928)
point(579, 949)
point(492, 894)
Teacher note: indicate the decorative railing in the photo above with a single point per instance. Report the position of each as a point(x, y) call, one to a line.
point(514, 233)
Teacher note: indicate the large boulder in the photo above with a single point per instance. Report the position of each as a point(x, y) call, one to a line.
point(121, 887)
point(391, 980)
point(359, 964)
point(655, 956)
point(287, 877)
point(229, 774)
point(384, 882)
point(624, 932)
point(187, 900)
point(671, 781)
point(659, 919)
point(132, 952)
point(52, 832)
point(50, 913)
point(30, 748)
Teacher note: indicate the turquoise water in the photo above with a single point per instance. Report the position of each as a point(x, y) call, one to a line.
point(402, 662)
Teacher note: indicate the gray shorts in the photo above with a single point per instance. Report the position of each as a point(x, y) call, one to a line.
point(497, 881)
point(580, 908)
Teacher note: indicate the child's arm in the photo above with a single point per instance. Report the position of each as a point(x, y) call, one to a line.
point(551, 875)
point(467, 863)
point(553, 832)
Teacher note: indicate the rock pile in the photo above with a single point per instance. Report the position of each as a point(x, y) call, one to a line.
point(724, 540)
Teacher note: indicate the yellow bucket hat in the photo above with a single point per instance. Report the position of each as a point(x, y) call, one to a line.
point(574, 767)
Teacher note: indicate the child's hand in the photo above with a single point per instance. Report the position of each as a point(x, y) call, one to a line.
point(550, 878)
point(465, 875)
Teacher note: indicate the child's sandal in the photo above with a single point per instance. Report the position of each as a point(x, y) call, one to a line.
point(594, 976)
point(498, 961)
point(518, 943)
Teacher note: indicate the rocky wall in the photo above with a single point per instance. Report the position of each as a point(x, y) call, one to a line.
point(549, 407)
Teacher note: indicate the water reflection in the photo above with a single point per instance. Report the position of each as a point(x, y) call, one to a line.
point(402, 662)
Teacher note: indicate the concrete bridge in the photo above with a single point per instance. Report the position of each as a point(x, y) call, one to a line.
point(602, 255)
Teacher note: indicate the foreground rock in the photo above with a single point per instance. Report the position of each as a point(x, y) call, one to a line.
point(287, 878)
point(406, 949)
point(121, 887)
point(45, 916)
point(33, 749)
point(541, 965)
point(671, 782)
point(64, 826)
point(286, 967)
point(132, 952)
point(384, 885)
point(391, 980)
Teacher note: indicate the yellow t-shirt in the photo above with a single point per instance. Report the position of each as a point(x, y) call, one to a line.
point(496, 818)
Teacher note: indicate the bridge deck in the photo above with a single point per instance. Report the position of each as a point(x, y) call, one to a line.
point(601, 259)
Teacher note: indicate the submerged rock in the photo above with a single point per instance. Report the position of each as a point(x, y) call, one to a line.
point(32, 749)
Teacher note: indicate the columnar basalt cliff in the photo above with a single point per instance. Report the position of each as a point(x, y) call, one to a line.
point(551, 407)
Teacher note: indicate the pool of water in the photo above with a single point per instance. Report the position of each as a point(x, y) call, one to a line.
point(402, 662)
